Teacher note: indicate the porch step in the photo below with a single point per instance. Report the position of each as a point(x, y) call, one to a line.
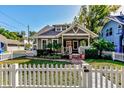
point(76, 56)
point(74, 51)
point(76, 59)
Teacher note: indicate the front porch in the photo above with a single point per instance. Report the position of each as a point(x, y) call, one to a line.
point(75, 44)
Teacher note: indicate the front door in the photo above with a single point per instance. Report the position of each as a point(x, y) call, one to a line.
point(68, 43)
point(75, 45)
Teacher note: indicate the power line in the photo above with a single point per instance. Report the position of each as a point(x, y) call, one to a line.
point(9, 25)
point(6, 27)
point(12, 18)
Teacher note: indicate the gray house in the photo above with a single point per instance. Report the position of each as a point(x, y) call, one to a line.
point(70, 36)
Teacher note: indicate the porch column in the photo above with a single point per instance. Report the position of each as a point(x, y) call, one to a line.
point(88, 41)
point(37, 42)
point(62, 49)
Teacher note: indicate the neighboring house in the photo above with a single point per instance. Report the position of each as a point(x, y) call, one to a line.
point(113, 31)
point(69, 35)
point(10, 45)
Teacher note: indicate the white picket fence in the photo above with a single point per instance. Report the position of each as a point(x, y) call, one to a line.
point(5, 56)
point(10, 55)
point(81, 76)
point(118, 56)
point(115, 56)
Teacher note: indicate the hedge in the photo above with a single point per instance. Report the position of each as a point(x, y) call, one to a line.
point(91, 53)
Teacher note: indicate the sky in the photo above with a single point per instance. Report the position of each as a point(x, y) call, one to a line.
point(16, 18)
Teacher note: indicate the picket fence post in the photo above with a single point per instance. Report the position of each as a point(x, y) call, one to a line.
point(11, 55)
point(14, 75)
point(122, 77)
point(113, 56)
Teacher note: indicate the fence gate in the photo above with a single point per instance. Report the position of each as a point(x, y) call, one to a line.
point(80, 76)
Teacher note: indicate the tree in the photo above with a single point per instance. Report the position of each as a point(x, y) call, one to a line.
point(23, 33)
point(93, 16)
point(10, 35)
point(102, 45)
point(31, 33)
point(28, 46)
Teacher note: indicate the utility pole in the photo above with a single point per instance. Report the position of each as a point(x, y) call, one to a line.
point(28, 33)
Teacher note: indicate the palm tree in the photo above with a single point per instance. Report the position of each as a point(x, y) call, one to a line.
point(102, 45)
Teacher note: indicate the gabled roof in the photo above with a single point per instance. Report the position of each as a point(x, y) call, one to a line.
point(43, 30)
point(82, 28)
point(50, 31)
point(119, 19)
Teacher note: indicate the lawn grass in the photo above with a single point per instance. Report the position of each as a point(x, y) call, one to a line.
point(33, 61)
point(104, 62)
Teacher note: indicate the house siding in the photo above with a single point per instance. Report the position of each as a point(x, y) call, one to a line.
point(15, 48)
point(115, 37)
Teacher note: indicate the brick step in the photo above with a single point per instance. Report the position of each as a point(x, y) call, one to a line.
point(76, 56)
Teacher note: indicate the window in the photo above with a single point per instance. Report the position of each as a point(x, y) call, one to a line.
point(110, 32)
point(107, 32)
point(113, 43)
point(44, 42)
point(63, 28)
point(58, 28)
point(55, 41)
point(119, 26)
point(119, 29)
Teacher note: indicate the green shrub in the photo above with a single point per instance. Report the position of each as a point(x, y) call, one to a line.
point(91, 53)
point(45, 52)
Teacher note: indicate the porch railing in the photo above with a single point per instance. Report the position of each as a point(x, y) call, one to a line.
point(81, 49)
point(67, 50)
